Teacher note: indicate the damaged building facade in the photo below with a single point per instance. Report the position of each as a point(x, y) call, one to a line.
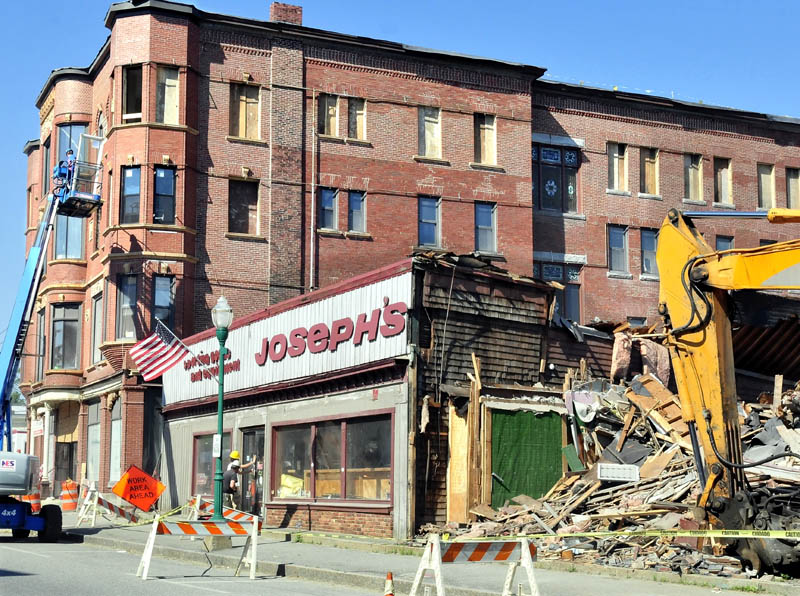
point(351, 400)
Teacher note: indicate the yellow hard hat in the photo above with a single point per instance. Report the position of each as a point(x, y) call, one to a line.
point(234, 454)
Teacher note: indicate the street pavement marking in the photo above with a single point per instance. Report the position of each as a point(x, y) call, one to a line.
point(198, 587)
point(27, 552)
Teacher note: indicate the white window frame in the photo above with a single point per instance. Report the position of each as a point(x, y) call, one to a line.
point(429, 150)
point(616, 152)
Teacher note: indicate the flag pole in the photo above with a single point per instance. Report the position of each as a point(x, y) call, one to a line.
point(178, 339)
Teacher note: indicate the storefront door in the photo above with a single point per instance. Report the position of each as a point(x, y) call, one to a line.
point(65, 464)
point(252, 482)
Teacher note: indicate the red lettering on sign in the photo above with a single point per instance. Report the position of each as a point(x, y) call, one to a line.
point(370, 328)
point(394, 319)
point(261, 357)
point(318, 338)
point(341, 331)
point(277, 348)
point(297, 341)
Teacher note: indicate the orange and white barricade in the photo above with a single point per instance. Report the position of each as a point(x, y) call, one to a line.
point(514, 552)
point(202, 529)
point(93, 500)
point(199, 505)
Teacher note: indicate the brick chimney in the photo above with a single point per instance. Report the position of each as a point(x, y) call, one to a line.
point(286, 13)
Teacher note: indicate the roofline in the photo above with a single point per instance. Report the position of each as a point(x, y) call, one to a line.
point(30, 146)
point(346, 285)
point(677, 104)
point(73, 72)
point(196, 14)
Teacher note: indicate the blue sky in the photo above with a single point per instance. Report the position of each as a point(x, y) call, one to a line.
point(728, 53)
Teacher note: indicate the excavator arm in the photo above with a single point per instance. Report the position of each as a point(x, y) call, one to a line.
point(694, 303)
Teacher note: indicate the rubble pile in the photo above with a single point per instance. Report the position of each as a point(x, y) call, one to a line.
point(638, 473)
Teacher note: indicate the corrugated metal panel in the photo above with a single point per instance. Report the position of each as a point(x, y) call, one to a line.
point(246, 342)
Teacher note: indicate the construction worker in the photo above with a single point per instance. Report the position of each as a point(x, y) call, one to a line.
point(235, 457)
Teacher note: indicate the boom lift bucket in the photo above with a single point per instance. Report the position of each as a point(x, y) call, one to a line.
point(81, 194)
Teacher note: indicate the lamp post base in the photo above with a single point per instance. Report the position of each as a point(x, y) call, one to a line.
point(217, 542)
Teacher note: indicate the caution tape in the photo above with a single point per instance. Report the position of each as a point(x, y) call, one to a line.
point(784, 534)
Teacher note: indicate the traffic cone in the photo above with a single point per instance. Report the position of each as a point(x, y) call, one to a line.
point(388, 588)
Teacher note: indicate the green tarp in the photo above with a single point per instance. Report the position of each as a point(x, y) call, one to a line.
point(526, 454)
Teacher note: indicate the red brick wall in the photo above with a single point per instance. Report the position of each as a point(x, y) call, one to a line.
point(343, 521)
point(599, 120)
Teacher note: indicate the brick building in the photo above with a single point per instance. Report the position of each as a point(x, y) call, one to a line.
point(264, 159)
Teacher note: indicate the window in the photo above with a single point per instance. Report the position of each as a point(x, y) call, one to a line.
point(617, 166)
point(722, 180)
point(167, 95)
point(65, 349)
point(110, 198)
point(428, 221)
point(244, 111)
point(692, 177)
point(328, 116)
point(356, 216)
point(723, 242)
point(129, 202)
point(485, 139)
point(93, 443)
point(793, 188)
point(132, 94)
point(114, 464)
point(766, 185)
point(205, 464)
point(97, 327)
point(69, 237)
point(126, 307)
point(41, 345)
point(46, 167)
point(637, 321)
point(96, 223)
point(357, 119)
point(764, 242)
point(568, 299)
point(327, 208)
point(163, 300)
point(430, 132)
point(243, 207)
point(555, 178)
point(648, 171)
point(485, 227)
point(618, 249)
point(69, 137)
point(351, 459)
point(102, 124)
point(164, 199)
point(649, 246)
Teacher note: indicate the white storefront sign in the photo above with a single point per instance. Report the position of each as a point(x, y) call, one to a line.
point(358, 326)
point(37, 427)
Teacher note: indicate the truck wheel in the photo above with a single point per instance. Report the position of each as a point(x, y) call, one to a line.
point(52, 523)
point(20, 533)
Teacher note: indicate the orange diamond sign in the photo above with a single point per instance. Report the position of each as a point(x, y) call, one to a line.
point(138, 488)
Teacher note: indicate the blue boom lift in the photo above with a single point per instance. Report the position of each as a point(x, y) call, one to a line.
point(76, 193)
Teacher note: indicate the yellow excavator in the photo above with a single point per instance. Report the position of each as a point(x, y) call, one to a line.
point(695, 306)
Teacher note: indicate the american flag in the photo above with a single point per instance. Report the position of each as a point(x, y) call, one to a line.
point(158, 352)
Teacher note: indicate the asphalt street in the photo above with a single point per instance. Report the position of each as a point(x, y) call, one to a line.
point(29, 567)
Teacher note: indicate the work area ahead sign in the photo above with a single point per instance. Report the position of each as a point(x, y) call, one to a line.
point(138, 488)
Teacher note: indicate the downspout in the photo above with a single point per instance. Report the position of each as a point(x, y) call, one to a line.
point(312, 246)
point(269, 170)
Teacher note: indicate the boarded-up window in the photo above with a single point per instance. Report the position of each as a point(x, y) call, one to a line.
point(766, 186)
point(357, 119)
point(430, 132)
point(648, 171)
point(617, 179)
point(722, 180)
point(167, 95)
point(132, 94)
point(692, 177)
point(243, 207)
point(485, 139)
point(327, 117)
point(793, 188)
point(244, 111)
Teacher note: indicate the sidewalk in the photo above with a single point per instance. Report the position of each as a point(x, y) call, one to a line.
point(363, 563)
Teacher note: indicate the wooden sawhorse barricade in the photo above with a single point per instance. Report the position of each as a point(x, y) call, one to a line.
point(514, 552)
point(93, 500)
point(204, 528)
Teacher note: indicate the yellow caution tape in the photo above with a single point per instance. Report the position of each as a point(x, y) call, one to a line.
point(646, 533)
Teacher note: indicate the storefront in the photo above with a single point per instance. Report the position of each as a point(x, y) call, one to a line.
point(316, 402)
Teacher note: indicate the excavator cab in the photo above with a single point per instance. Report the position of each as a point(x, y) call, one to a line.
point(79, 193)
